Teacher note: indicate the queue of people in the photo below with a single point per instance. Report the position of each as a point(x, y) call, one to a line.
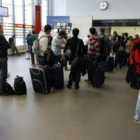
point(84, 55)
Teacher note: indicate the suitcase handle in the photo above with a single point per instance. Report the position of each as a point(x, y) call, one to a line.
point(35, 72)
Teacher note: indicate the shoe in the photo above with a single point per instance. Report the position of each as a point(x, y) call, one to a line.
point(27, 58)
point(77, 87)
point(88, 81)
point(68, 86)
point(67, 69)
point(137, 121)
point(8, 74)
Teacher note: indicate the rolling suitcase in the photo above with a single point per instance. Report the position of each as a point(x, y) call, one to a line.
point(98, 78)
point(41, 79)
point(110, 62)
point(57, 76)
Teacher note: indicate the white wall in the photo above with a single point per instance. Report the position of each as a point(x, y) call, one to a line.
point(57, 7)
point(118, 9)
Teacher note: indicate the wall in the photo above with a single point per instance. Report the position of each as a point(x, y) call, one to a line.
point(57, 7)
point(118, 9)
point(131, 30)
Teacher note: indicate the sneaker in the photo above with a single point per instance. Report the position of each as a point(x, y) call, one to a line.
point(66, 69)
point(77, 87)
point(68, 86)
point(27, 58)
point(137, 121)
point(88, 81)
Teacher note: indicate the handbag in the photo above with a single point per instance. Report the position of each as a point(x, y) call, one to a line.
point(77, 58)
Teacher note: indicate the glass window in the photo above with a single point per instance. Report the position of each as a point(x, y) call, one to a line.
point(19, 20)
point(8, 21)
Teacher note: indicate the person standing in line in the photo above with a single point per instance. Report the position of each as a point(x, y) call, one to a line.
point(30, 41)
point(76, 47)
point(93, 52)
point(105, 46)
point(12, 43)
point(4, 46)
point(58, 44)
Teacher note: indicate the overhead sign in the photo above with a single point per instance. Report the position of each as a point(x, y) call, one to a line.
point(3, 11)
point(58, 20)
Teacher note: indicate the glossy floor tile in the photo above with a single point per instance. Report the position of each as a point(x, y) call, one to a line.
point(69, 114)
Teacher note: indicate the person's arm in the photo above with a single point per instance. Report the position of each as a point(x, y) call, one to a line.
point(97, 47)
point(28, 40)
point(45, 44)
point(5, 42)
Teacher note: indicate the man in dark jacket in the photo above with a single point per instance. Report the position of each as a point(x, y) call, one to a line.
point(4, 46)
point(76, 46)
point(12, 43)
point(30, 41)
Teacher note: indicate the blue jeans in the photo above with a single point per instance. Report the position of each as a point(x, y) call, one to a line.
point(3, 74)
point(137, 112)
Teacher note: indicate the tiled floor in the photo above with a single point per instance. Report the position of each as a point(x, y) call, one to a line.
point(85, 114)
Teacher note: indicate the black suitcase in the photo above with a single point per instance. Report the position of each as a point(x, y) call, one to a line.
point(98, 78)
point(110, 62)
point(129, 75)
point(57, 76)
point(41, 79)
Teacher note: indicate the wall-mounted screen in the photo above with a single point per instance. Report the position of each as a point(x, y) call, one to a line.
point(3, 11)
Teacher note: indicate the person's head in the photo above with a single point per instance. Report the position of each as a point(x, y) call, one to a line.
point(115, 33)
point(136, 36)
point(61, 34)
point(118, 38)
point(93, 31)
point(75, 32)
point(126, 34)
point(88, 36)
point(33, 32)
point(13, 36)
point(102, 30)
point(47, 29)
point(1, 29)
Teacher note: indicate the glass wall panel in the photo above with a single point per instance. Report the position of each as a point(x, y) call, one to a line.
point(8, 21)
point(19, 20)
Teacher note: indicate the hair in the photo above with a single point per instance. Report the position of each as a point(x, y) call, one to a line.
point(62, 33)
point(137, 36)
point(115, 32)
point(33, 31)
point(102, 30)
point(47, 28)
point(88, 36)
point(13, 36)
point(126, 34)
point(75, 32)
point(92, 31)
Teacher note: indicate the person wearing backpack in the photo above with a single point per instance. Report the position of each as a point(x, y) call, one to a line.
point(105, 46)
point(30, 41)
point(4, 46)
point(134, 60)
point(43, 44)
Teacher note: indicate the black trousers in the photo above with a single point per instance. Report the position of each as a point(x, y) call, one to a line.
point(119, 58)
point(74, 77)
point(3, 74)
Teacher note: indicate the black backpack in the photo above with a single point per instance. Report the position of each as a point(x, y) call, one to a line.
point(102, 45)
point(20, 86)
point(8, 89)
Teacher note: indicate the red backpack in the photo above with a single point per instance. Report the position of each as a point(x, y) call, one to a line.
point(134, 58)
